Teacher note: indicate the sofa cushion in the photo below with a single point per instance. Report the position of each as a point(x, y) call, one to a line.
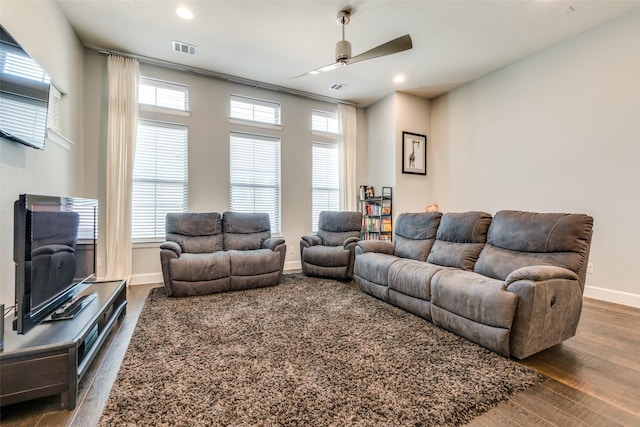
point(415, 234)
point(475, 297)
point(474, 306)
point(519, 239)
point(374, 267)
point(195, 267)
point(334, 227)
point(328, 256)
point(195, 232)
point(245, 231)
point(460, 238)
point(253, 262)
point(413, 278)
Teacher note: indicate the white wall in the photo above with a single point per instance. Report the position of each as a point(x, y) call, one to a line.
point(410, 192)
point(43, 31)
point(209, 129)
point(558, 131)
point(387, 119)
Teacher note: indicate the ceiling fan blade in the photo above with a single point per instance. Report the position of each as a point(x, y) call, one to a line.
point(320, 70)
point(394, 46)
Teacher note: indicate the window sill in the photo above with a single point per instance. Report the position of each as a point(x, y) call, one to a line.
point(328, 135)
point(58, 139)
point(255, 124)
point(154, 109)
point(147, 243)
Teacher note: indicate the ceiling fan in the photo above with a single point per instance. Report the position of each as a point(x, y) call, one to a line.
point(343, 48)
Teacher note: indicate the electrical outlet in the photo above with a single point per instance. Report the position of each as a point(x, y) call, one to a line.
point(290, 251)
point(590, 268)
point(98, 262)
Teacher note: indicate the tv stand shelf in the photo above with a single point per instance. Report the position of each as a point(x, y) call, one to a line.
point(53, 357)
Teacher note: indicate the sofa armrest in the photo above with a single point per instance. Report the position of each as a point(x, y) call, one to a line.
point(540, 273)
point(350, 243)
point(374, 246)
point(172, 246)
point(311, 240)
point(273, 243)
point(548, 309)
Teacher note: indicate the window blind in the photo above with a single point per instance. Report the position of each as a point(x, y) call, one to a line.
point(325, 180)
point(24, 96)
point(160, 177)
point(163, 94)
point(324, 121)
point(53, 116)
point(255, 175)
point(255, 110)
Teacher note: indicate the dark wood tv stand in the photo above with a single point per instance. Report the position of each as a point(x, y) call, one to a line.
point(53, 357)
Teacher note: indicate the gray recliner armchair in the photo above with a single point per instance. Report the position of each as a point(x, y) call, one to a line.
point(330, 253)
point(208, 253)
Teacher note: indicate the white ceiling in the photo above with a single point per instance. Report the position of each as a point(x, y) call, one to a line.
point(269, 41)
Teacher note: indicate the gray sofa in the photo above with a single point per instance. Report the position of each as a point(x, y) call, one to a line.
point(208, 253)
point(331, 252)
point(512, 283)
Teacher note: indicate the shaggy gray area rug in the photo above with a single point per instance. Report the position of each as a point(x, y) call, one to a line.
point(309, 352)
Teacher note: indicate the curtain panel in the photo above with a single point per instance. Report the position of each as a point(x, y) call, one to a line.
point(348, 132)
point(123, 74)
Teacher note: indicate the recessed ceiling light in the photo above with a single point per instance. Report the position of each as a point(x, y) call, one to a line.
point(184, 13)
point(398, 79)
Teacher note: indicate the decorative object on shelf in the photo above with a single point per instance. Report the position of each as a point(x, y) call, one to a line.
point(433, 207)
point(369, 192)
point(414, 153)
point(376, 214)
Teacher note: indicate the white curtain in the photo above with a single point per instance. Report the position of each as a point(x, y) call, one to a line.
point(121, 137)
point(347, 123)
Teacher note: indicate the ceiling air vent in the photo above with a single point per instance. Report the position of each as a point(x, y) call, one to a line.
point(180, 47)
point(338, 87)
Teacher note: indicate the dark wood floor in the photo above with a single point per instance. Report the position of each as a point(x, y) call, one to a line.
point(594, 378)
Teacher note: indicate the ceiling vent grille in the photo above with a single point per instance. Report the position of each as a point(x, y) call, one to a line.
point(338, 87)
point(180, 47)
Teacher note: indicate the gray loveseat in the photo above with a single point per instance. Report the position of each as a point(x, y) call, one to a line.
point(208, 253)
point(512, 283)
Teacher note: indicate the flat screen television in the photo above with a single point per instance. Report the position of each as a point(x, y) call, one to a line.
point(24, 95)
point(54, 251)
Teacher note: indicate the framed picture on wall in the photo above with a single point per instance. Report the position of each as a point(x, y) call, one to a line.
point(414, 153)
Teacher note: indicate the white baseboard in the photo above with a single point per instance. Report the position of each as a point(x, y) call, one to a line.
point(291, 266)
point(145, 279)
point(624, 298)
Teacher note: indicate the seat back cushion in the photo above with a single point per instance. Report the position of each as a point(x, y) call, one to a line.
point(519, 239)
point(415, 233)
point(334, 227)
point(245, 231)
point(195, 232)
point(460, 238)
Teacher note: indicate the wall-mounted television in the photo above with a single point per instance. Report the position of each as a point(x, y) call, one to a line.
point(24, 95)
point(54, 251)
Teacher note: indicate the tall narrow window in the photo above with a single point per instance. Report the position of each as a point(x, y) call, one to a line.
point(325, 180)
point(255, 110)
point(255, 175)
point(159, 177)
